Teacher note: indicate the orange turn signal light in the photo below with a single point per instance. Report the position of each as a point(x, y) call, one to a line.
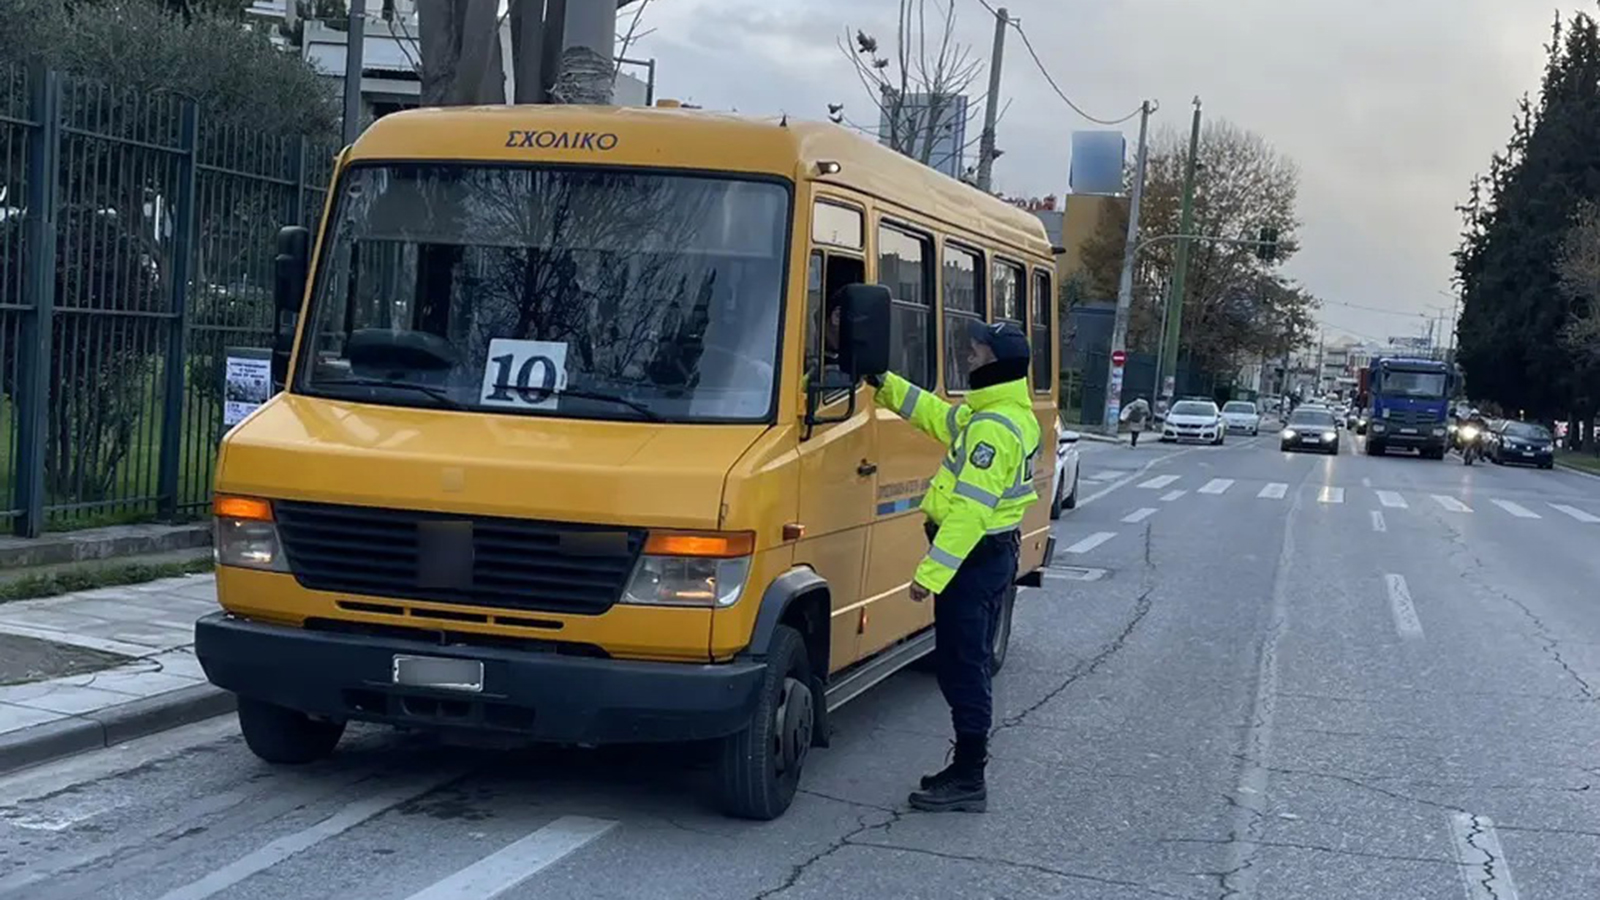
point(706, 544)
point(252, 508)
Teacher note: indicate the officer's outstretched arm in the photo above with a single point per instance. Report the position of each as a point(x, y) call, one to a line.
point(924, 409)
point(993, 460)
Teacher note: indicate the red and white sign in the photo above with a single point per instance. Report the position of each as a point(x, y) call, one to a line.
point(1118, 357)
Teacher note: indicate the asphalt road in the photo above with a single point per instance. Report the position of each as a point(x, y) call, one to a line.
point(1251, 675)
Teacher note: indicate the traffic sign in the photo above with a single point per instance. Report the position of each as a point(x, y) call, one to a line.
point(1118, 357)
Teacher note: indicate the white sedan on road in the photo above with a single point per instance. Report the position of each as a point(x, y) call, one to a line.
point(1242, 416)
point(1194, 420)
point(1065, 496)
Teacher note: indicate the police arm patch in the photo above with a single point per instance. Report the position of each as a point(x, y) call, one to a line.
point(982, 455)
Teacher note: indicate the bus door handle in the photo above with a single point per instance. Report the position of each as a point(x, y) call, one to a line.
point(866, 468)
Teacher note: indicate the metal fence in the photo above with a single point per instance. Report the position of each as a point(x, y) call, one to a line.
point(136, 245)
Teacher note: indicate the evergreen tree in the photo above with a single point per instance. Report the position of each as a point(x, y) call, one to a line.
point(1515, 314)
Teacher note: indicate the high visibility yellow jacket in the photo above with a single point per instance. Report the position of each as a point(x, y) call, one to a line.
point(986, 481)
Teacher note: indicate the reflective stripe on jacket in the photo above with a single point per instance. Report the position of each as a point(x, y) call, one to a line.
point(986, 481)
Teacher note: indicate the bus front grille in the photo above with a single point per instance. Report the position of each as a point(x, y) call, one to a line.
point(473, 560)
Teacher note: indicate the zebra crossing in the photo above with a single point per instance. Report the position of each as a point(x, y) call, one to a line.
point(1146, 507)
point(1174, 488)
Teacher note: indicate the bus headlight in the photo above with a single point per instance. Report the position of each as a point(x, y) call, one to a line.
point(691, 569)
point(246, 535)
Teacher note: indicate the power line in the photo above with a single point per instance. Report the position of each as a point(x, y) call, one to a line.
point(1372, 309)
point(1046, 73)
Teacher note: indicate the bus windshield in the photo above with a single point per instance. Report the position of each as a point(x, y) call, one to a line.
point(585, 293)
point(1408, 383)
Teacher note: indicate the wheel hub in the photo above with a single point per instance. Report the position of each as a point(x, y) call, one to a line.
point(793, 724)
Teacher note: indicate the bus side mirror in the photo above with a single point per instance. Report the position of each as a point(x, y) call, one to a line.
point(864, 329)
point(289, 270)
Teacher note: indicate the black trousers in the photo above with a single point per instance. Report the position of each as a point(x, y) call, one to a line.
point(965, 618)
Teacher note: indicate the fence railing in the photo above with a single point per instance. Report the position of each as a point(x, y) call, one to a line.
point(136, 246)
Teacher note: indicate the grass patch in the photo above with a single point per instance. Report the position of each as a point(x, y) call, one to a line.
point(71, 581)
point(1588, 462)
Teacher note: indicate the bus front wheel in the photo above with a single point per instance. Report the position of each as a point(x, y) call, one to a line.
point(758, 769)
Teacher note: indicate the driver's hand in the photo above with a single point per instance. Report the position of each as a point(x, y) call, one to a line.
point(875, 380)
point(918, 592)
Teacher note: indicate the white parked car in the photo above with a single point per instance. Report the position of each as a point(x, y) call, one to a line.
point(1242, 416)
point(1194, 420)
point(1065, 496)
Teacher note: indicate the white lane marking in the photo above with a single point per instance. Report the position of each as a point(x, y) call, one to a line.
point(1106, 475)
point(1451, 504)
point(1217, 485)
point(1139, 515)
point(281, 849)
point(1377, 521)
point(1392, 500)
point(1135, 475)
point(1485, 872)
point(1091, 542)
point(1516, 509)
point(1159, 482)
point(1400, 605)
point(1575, 512)
point(1170, 496)
point(1330, 494)
point(1274, 491)
point(518, 861)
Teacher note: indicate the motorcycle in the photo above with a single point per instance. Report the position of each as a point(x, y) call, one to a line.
point(1469, 435)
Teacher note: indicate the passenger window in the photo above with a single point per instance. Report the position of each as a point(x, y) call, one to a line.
point(963, 303)
point(904, 267)
point(1008, 293)
point(836, 225)
point(828, 273)
point(1040, 334)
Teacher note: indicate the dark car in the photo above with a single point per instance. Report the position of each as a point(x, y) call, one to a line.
point(1522, 442)
point(1311, 428)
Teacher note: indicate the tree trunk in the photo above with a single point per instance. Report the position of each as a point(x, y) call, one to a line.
point(461, 60)
point(588, 68)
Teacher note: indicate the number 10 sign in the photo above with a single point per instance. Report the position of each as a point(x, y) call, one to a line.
point(524, 374)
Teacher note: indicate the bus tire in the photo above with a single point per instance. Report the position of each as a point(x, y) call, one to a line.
point(758, 769)
point(1001, 642)
point(285, 736)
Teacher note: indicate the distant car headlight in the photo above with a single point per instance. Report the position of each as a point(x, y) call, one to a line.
point(1290, 434)
point(1330, 435)
point(1438, 432)
point(1376, 426)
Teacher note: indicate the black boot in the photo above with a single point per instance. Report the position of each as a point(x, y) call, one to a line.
point(963, 790)
point(943, 775)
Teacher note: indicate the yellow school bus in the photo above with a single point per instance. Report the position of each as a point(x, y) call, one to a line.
point(566, 449)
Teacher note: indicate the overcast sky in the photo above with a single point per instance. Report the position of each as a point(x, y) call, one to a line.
point(1387, 107)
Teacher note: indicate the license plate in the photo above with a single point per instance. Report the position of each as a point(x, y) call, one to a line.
point(1527, 452)
point(1408, 431)
point(439, 672)
point(1312, 438)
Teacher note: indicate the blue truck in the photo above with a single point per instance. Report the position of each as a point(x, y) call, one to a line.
point(1407, 405)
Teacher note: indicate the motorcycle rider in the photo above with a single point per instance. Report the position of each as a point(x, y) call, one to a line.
point(1471, 434)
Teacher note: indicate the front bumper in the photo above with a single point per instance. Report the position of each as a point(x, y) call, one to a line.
point(542, 696)
point(1205, 435)
point(1422, 438)
point(1531, 457)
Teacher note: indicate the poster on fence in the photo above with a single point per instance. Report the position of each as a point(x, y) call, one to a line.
point(246, 383)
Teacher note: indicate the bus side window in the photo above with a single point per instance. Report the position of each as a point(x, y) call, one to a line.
point(1040, 333)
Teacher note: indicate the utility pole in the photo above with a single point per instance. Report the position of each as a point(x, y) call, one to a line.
point(1130, 250)
point(354, 47)
point(991, 106)
point(1169, 353)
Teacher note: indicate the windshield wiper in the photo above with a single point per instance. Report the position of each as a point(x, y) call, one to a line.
point(644, 411)
point(438, 395)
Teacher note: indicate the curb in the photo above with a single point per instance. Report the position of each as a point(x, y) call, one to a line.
point(1576, 470)
point(111, 726)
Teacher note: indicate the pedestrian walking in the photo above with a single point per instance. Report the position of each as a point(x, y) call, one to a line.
point(974, 506)
point(1135, 414)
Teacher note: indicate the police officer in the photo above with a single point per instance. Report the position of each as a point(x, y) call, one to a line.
point(974, 508)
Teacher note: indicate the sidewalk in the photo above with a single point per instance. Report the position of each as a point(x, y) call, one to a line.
point(89, 670)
